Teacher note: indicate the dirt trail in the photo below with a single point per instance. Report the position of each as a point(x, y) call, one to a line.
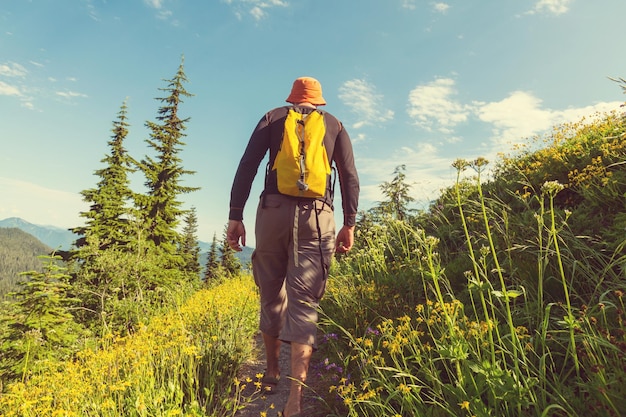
point(274, 403)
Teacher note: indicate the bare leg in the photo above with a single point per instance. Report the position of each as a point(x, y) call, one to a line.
point(272, 352)
point(300, 359)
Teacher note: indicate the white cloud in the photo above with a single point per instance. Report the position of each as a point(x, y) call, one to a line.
point(555, 7)
point(13, 69)
point(9, 90)
point(512, 120)
point(363, 100)
point(258, 9)
point(162, 13)
point(432, 106)
point(156, 4)
point(521, 116)
point(422, 161)
point(441, 7)
point(518, 116)
point(69, 94)
point(39, 205)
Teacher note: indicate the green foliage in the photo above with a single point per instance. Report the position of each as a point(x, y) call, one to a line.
point(107, 220)
point(520, 309)
point(131, 261)
point(181, 363)
point(39, 326)
point(230, 264)
point(160, 207)
point(397, 193)
point(213, 266)
point(189, 246)
point(125, 287)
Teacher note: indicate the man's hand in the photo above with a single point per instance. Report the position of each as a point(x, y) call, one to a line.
point(345, 239)
point(235, 231)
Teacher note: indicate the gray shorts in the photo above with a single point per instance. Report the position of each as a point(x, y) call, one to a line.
point(288, 266)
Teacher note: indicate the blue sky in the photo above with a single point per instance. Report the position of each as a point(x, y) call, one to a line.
point(419, 83)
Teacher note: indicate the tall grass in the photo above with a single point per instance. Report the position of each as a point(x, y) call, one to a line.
point(180, 363)
point(492, 356)
point(495, 348)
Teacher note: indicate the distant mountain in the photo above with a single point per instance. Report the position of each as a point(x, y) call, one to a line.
point(55, 237)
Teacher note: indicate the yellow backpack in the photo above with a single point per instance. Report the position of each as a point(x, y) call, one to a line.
point(302, 166)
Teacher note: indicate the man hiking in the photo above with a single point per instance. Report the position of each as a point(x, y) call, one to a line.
point(295, 229)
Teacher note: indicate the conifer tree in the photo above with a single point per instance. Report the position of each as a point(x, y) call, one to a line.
point(212, 270)
point(108, 216)
point(397, 193)
point(160, 207)
point(189, 247)
point(230, 263)
point(39, 323)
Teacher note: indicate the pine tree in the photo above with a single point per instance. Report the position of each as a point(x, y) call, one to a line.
point(39, 323)
point(212, 270)
point(160, 207)
point(397, 193)
point(108, 216)
point(189, 247)
point(230, 263)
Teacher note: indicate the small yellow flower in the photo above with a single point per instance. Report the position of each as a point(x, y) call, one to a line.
point(464, 405)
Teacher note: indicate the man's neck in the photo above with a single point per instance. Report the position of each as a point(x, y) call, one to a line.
point(305, 104)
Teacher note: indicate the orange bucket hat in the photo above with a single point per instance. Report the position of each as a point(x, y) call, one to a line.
point(306, 89)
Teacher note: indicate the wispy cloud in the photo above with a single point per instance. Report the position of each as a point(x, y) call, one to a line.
point(12, 69)
point(438, 7)
point(363, 101)
point(162, 12)
point(441, 7)
point(70, 94)
point(432, 106)
point(555, 7)
point(156, 4)
point(9, 90)
point(257, 9)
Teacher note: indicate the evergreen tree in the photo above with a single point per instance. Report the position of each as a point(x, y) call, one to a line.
point(212, 270)
point(108, 216)
point(230, 263)
point(38, 322)
point(160, 207)
point(397, 193)
point(189, 247)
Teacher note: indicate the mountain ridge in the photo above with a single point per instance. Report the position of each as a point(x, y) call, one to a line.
point(55, 237)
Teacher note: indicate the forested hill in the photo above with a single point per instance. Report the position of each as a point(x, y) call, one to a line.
point(19, 252)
